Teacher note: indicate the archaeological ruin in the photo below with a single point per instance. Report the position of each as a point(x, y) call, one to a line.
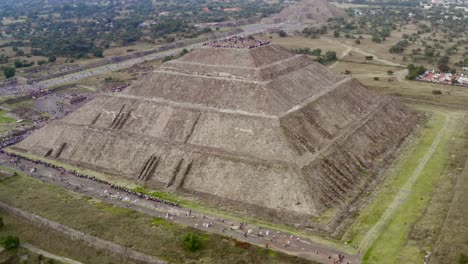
point(252, 126)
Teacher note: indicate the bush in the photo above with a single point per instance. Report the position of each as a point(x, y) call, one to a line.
point(98, 53)
point(52, 58)
point(9, 72)
point(1, 221)
point(436, 92)
point(414, 71)
point(10, 242)
point(192, 242)
point(463, 259)
point(376, 78)
point(167, 58)
point(183, 52)
point(389, 72)
point(282, 33)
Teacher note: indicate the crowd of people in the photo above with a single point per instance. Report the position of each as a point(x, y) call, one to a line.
point(119, 88)
point(237, 42)
point(18, 89)
point(62, 171)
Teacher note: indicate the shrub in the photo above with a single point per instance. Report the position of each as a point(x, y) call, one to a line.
point(376, 78)
point(436, 92)
point(282, 33)
point(167, 58)
point(10, 242)
point(192, 242)
point(463, 259)
point(52, 58)
point(1, 221)
point(9, 72)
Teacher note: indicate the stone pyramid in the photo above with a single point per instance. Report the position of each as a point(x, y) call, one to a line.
point(259, 129)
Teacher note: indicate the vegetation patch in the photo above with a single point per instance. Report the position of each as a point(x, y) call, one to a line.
point(193, 242)
point(132, 230)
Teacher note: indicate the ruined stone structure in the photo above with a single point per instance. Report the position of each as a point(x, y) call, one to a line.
point(306, 13)
point(262, 129)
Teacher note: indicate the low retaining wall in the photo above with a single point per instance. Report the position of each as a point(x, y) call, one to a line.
point(74, 234)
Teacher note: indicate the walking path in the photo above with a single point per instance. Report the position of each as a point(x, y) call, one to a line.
point(375, 58)
point(402, 195)
point(98, 243)
point(49, 255)
point(264, 237)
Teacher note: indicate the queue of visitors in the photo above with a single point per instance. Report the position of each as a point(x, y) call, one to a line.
point(237, 42)
point(80, 175)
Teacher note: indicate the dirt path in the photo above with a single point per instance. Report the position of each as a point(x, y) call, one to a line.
point(343, 54)
point(399, 75)
point(402, 195)
point(253, 234)
point(49, 255)
point(365, 53)
point(456, 217)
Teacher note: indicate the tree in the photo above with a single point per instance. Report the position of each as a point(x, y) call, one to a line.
point(330, 56)
point(414, 71)
point(443, 68)
point(18, 64)
point(183, 52)
point(282, 33)
point(9, 72)
point(98, 53)
point(9, 242)
point(20, 53)
point(192, 242)
point(336, 34)
point(52, 58)
point(1, 222)
point(168, 58)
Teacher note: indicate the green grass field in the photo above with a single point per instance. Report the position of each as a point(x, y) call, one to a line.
point(4, 119)
point(23, 256)
point(51, 242)
point(392, 244)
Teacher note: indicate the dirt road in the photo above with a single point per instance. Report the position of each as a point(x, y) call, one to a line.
point(49, 255)
point(278, 240)
point(402, 195)
point(365, 53)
